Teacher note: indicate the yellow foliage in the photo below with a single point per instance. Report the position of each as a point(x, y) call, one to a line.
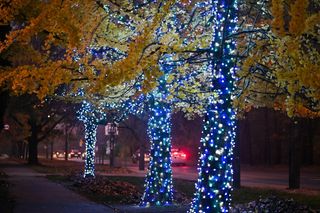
point(71, 27)
point(278, 23)
point(298, 15)
point(293, 62)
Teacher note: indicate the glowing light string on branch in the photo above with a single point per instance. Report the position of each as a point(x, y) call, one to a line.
point(214, 183)
point(92, 115)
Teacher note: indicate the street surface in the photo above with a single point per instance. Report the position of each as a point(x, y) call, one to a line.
point(274, 177)
point(254, 176)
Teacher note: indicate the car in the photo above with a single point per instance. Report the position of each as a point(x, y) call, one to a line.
point(59, 154)
point(178, 157)
point(74, 153)
point(136, 155)
point(83, 155)
point(4, 156)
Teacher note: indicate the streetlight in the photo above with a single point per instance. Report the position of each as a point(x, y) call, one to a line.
point(111, 129)
point(6, 127)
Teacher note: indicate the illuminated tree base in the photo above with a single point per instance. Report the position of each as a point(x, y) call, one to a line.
point(90, 138)
point(158, 183)
point(213, 187)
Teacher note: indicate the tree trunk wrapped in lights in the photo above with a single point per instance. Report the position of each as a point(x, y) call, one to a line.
point(90, 116)
point(158, 183)
point(90, 138)
point(214, 183)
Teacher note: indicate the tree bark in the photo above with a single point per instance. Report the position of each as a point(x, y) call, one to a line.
point(308, 147)
point(158, 182)
point(142, 151)
point(112, 143)
point(294, 157)
point(47, 151)
point(51, 153)
point(4, 98)
point(267, 148)
point(236, 160)
point(26, 151)
point(33, 143)
point(90, 137)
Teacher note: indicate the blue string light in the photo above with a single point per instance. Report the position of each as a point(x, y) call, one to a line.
point(158, 181)
point(90, 116)
point(90, 141)
point(214, 184)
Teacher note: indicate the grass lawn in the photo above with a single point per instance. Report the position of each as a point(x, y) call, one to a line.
point(66, 167)
point(247, 194)
point(57, 171)
point(242, 195)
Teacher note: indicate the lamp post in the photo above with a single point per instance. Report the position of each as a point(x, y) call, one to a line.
point(111, 130)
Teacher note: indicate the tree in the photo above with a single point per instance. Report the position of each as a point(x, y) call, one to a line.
point(90, 116)
point(58, 48)
point(215, 164)
point(4, 95)
point(282, 70)
point(36, 121)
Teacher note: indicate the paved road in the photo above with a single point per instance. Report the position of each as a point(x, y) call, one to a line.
point(256, 176)
point(272, 177)
point(33, 193)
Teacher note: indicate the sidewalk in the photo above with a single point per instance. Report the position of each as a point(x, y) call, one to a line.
point(33, 193)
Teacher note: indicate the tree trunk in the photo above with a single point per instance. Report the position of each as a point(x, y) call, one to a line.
point(245, 138)
point(4, 98)
point(236, 160)
point(26, 151)
point(158, 182)
point(103, 148)
point(33, 143)
point(112, 143)
point(19, 149)
point(91, 138)
point(267, 148)
point(142, 151)
point(47, 151)
point(214, 184)
point(294, 158)
point(308, 147)
point(277, 140)
point(51, 149)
